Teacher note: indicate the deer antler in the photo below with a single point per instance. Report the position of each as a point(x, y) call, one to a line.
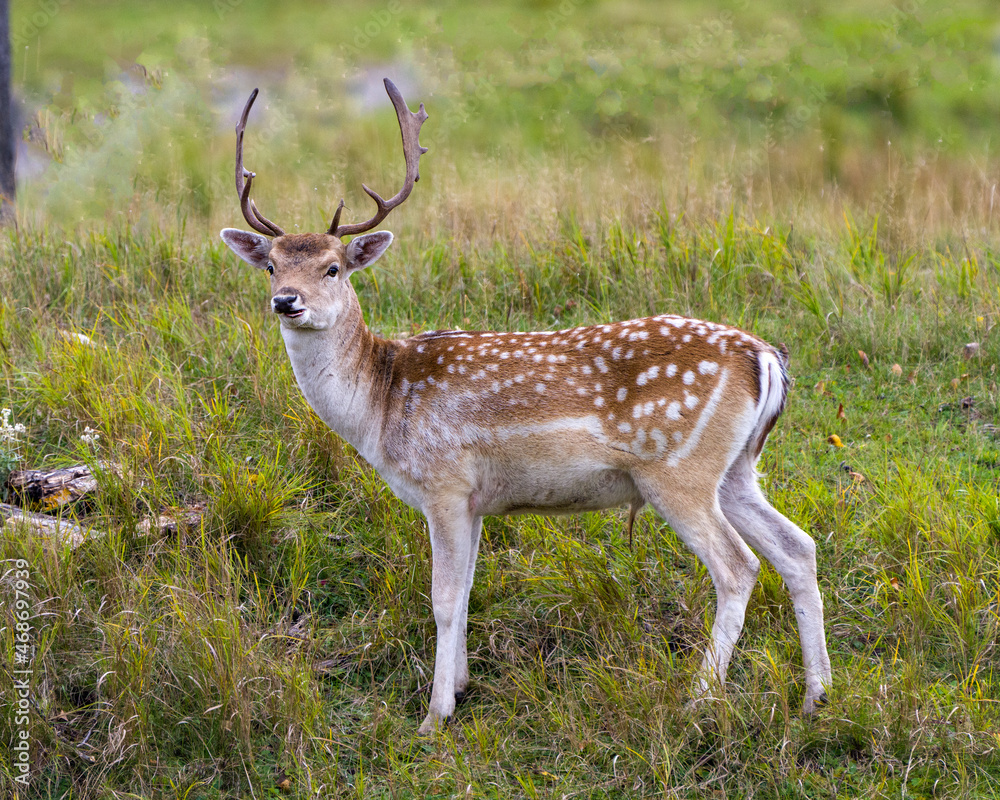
point(257, 221)
point(409, 128)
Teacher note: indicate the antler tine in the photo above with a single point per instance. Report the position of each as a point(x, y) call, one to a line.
point(409, 129)
point(336, 219)
point(244, 180)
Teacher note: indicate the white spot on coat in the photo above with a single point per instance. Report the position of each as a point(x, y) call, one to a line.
point(644, 377)
point(661, 441)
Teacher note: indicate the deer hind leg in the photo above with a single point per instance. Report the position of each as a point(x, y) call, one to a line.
point(701, 525)
point(793, 554)
point(453, 532)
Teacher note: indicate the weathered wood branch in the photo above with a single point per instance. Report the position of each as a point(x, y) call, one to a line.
point(181, 521)
point(57, 530)
point(58, 488)
point(55, 487)
point(173, 522)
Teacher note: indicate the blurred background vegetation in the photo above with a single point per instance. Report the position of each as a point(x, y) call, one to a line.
point(617, 107)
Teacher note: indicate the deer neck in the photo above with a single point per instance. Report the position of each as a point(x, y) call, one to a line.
point(338, 371)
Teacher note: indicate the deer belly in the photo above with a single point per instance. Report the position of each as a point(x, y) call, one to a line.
point(544, 492)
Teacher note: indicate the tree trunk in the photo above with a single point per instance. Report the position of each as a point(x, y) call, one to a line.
point(7, 142)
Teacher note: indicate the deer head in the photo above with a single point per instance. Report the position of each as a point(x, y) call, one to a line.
point(310, 272)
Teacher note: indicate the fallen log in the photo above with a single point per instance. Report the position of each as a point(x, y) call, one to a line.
point(173, 522)
point(181, 521)
point(57, 530)
point(55, 487)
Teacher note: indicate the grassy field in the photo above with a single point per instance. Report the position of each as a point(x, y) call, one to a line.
point(825, 177)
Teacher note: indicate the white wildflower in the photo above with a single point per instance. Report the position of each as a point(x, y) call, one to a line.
point(9, 434)
point(90, 436)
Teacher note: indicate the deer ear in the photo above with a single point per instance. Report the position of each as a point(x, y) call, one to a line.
point(365, 250)
point(251, 247)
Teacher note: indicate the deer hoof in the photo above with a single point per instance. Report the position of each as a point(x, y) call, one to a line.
point(431, 725)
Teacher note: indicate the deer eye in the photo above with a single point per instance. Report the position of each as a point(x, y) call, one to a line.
point(332, 272)
point(270, 268)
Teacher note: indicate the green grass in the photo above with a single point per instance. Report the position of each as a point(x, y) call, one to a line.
point(175, 654)
point(679, 169)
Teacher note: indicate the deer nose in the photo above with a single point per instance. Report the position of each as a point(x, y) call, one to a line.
point(284, 303)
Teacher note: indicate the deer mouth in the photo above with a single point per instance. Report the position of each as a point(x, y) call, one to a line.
point(293, 314)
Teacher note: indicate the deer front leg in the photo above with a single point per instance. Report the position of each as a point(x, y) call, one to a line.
point(462, 660)
point(453, 531)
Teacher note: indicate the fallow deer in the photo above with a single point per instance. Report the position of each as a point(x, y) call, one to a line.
point(666, 410)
